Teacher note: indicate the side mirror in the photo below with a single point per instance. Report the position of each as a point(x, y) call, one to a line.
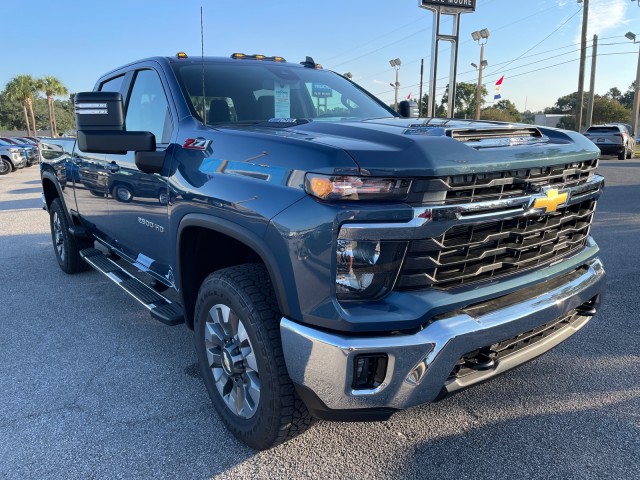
point(100, 125)
point(408, 109)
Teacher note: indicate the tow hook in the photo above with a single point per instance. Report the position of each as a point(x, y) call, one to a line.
point(484, 360)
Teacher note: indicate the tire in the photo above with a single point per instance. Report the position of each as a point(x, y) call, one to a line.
point(622, 155)
point(237, 336)
point(122, 193)
point(630, 154)
point(66, 246)
point(5, 166)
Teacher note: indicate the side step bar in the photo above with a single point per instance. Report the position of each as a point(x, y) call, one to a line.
point(160, 307)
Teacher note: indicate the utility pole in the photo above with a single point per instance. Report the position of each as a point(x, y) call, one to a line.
point(583, 61)
point(421, 81)
point(592, 86)
point(479, 93)
point(636, 100)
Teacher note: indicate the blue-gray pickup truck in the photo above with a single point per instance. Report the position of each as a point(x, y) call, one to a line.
point(335, 259)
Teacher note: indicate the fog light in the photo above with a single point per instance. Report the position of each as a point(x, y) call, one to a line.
point(369, 371)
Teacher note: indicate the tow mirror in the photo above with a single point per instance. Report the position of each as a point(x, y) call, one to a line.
point(408, 109)
point(100, 125)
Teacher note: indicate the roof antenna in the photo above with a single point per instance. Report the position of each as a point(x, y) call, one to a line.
point(202, 56)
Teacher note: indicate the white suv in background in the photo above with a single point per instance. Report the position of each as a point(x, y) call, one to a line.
point(613, 138)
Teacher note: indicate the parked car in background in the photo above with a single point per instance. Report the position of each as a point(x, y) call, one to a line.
point(32, 152)
point(613, 138)
point(11, 158)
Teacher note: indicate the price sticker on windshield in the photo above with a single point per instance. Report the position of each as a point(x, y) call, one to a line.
point(282, 98)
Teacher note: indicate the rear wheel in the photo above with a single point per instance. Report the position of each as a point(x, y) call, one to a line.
point(5, 166)
point(630, 153)
point(66, 246)
point(237, 335)
point(623, 154)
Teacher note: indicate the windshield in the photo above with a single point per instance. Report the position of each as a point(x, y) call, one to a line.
point(253, 93)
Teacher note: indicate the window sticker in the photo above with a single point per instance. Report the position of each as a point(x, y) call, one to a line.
point(282, 97)
point(321, 91)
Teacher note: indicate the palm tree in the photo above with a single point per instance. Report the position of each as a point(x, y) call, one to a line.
point(23, 88)
point(52, 86)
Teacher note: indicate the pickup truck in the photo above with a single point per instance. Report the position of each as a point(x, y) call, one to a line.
point(12, 157)
point(335, 260)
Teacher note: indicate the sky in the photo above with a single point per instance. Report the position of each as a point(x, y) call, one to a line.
point(533, 43)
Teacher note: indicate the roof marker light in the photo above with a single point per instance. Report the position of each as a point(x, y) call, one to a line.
point(181, 55)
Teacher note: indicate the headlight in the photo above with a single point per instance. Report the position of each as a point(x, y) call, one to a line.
point(14, 150)
point(367, 269)
point(328, 187)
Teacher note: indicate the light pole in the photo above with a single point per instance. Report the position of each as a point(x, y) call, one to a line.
point(480, 36)
point(634, 113)
point(395, 63)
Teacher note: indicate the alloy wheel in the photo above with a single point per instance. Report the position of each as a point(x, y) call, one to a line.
point(232, 361)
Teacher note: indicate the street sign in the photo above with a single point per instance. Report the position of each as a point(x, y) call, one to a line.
point(460, 5)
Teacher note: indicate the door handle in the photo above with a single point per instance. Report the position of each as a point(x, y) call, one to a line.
point(112, 167)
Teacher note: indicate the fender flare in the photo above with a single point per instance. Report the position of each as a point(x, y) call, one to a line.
point(50, 176)
point(245, 236)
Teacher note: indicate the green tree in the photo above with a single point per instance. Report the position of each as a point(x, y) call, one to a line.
point(607, 110)
point(528, 117)
point(627, 99)
point(466, 99)
point(24, 89)
point(503, 111)
point(614, 93)
point(51, 87)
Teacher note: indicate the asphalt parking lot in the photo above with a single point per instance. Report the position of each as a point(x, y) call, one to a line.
point(92, 387)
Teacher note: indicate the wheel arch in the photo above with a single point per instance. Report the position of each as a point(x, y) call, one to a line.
point(8, 159)
point(234, 242)
point(52, 190)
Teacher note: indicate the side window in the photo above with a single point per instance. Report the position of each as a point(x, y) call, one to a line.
point(147, 108)
point(112, 85)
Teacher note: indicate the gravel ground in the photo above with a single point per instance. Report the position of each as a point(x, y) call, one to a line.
point(92, 387)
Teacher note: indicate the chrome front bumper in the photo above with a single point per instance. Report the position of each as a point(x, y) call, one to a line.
point(420, 364)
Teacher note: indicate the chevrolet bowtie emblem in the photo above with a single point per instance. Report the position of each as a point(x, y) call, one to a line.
point(552, 201)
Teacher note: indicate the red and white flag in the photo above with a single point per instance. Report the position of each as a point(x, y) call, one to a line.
point(409, 96)
point(496, 95)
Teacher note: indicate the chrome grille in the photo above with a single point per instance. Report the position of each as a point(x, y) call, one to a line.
point(480, 187)
point(475, 252)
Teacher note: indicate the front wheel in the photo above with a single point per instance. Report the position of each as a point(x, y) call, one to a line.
point(66, 246)
point(5, 166)
point(237, 335)
point(122, 193)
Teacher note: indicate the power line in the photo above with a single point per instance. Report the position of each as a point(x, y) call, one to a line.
point(324, 60)
point(545, 38)
point(530, 71)
point(424, 30)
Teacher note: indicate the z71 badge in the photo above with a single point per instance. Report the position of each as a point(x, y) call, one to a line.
point(196, 143)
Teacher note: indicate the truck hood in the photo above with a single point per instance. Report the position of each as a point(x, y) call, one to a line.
point(439, 147)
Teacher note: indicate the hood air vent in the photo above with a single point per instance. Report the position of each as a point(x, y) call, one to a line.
point(498, 137)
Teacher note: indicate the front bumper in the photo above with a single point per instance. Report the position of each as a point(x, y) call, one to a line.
point(420, 365)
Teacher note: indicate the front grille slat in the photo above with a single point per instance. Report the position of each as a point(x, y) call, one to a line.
point(472, 253)
point(481, 187)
